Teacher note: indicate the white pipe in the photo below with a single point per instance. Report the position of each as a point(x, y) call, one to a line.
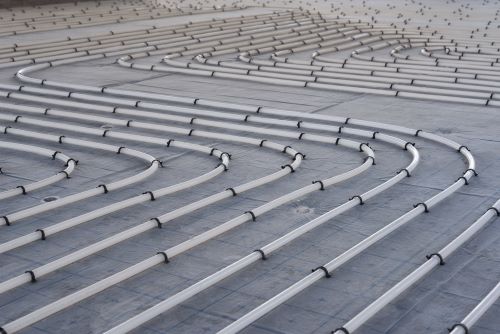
point(26, 188)
point(101, 189)
point(433, 261)
point(309, 137)
point(477, 312)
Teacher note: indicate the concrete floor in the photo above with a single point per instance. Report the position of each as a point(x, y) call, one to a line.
point(440, 300)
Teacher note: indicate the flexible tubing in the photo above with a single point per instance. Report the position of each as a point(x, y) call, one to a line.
point(26, 188)
point(43, 233)
point(434, 260)
point(328, 268)
point(478, 311)
point(101, 189)
point(264, 251)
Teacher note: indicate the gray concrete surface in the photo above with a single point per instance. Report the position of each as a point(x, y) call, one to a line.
point(441, 299)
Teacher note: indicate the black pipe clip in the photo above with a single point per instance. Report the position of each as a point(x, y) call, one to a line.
point(471, 170)
point(23, 189)
point(321, 183)
point(221, 164)
point(158, 161)
point(104, 187)
point(165, 256)
point(358, 197)
point(152, 196)
point(408, 143)
point(6, 219)
point(441, 260)
point(404, 170)
point(496, 210)
point(158, 222)
point(65, 173)
point(71, 159)
point(424, 205)
point(233, 191)
point(370, 157)
point(327, 274)
point(262, 254)
point(361, 146)
point(42, 232)
point(298, 153)
point(465, 328)
point(32, 274)
point(251, 214)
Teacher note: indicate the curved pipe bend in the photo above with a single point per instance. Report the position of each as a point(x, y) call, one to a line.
point(24, 189)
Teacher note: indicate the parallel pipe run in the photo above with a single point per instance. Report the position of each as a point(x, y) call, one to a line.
point(151, 40)
point(478, 311)
point(154, 164)
point(99, 286)
point(433, 260)
point(366, 39)
point(454, 94)
point(158, 221)
point(167, 255)
point(369, 38)
point(71, 17)
point(259, 254)
point(317, 274)
point(297, 157)
point(293, 152)
point(302, 123)
point(364, 147)
point(364, 83)
point(328, 268)
point(70, 164)
point(133, 123)
point(43, 233)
